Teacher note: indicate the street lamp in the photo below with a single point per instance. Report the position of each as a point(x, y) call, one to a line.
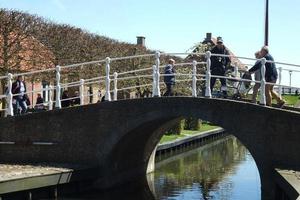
point(267, 24)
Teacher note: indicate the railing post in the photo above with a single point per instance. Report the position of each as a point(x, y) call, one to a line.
point(154, 80)
point(58, 88)
point(46, 99)
point(157, 87)
point(115, 86)
point(107, 80)
point(280, 86)
point(236, 72)
point(208, 75)
point(194, 84)
point(81, 91)
point(50, 102)
point(157, 75)
point(10, 109)
point(263, 82)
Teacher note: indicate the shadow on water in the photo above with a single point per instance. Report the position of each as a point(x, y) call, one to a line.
point(223, 169)
point(137, 189)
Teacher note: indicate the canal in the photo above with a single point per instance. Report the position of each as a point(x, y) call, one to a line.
point(222, 169)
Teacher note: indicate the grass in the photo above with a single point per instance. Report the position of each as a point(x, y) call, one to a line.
point(291, 99)
point(184, 133)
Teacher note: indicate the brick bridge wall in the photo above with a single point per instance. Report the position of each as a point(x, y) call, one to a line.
point(119, 137)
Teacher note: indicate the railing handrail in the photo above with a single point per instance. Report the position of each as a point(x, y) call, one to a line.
point(133, 71)
point(34, 72)
point(145, 55)
point(114, 77)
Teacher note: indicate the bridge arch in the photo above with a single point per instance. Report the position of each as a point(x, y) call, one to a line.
point(141, 134)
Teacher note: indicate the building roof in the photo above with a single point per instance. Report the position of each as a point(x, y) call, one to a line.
point(213, 41)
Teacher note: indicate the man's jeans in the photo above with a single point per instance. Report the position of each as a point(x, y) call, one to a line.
point(21, 103)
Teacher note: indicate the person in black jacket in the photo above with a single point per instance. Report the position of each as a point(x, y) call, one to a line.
point(169, 77)
point(39, 105)
point(65, 101)
point(218, 65)
point(76, 100)
point(19, 88)
point(271, 76)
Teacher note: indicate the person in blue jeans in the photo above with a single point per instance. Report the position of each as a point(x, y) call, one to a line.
point(169, 77)
point(19, 89)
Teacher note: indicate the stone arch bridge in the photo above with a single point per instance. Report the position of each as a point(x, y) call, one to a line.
point(119, 137)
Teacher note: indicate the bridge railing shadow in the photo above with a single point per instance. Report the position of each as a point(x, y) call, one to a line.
point(193, 78)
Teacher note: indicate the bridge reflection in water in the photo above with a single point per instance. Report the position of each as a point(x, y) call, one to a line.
point(223, 169)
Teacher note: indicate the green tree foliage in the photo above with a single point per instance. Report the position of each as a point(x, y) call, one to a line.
point(189, 123)
point(176, 128)
point(192, 123)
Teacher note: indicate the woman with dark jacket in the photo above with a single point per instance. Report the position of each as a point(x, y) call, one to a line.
point(19, 88)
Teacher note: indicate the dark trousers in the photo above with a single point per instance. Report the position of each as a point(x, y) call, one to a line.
point(218, 72)
point(213, 81)
point(169, 91)
point(20, 102)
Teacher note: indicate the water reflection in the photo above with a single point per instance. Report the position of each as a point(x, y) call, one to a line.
point(221, 170)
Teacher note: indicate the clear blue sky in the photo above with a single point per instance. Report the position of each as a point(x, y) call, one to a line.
point(176, 25)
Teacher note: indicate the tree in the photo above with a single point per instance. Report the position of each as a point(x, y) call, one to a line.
point(24, 37)
point(19, 50)
point(16, 38)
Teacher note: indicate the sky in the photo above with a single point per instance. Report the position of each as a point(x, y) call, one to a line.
point(177, 25)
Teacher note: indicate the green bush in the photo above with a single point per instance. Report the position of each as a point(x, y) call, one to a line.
point(192, 124)
point(176, 128)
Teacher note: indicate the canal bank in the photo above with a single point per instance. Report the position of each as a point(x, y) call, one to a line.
point(190, 140)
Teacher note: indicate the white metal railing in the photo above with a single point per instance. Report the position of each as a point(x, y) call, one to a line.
point(151, 77)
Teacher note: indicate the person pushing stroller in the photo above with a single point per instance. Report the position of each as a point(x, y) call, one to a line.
point(219, 64)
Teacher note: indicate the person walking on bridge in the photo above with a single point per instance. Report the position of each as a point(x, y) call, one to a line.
point(19, 90)
point(271, 76)
point(257, 77)
point(218, 65)
point(169, 77)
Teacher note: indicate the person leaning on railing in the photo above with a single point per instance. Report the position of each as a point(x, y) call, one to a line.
point(218, 65)
point(271, 76)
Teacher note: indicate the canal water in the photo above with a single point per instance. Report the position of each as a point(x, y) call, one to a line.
point(222, 169)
